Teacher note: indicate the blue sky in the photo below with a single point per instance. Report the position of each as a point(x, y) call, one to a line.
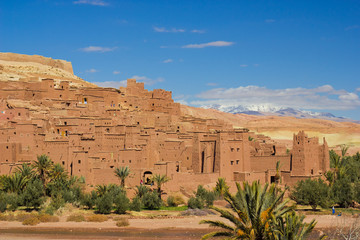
point(301, 54)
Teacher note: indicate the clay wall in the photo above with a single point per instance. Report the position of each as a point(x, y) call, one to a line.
point(264, 163)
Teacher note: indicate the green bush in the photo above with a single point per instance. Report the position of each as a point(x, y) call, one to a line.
point(343, 192)
point(3, 202)
point(171, 201)
point(151, 200)
point(88, 199)
point(33, 194)
point(141, 190)
point(206, 196)
point(135, 204)
point(104, 204)
point(121, 203)
point(57, 201)
point(311, 192)
point(195, 203)
point(13, 201)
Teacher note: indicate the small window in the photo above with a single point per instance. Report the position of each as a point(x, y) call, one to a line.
point(63, 162)
point(237, 162)
point(232, 162)
point(232, 149)
point(129, 161)
point(79, 161)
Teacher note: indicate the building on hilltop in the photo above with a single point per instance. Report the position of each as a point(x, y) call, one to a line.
point(91, 131)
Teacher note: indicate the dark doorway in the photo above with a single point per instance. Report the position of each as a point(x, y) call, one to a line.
point(272, 179)
point(202, 161)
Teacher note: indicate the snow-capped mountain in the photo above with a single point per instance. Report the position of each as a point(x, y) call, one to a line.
point(267, 110)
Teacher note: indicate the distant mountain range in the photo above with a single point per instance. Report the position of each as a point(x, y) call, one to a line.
point(266, 110)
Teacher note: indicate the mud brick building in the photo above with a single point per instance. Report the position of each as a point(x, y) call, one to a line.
point(92, 130)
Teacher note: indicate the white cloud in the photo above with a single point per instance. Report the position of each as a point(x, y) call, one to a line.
point(92, 2)
point(352, 27)
point(172, 30)
point(209, 44)
point(92, 70)
point(97, 49)
point(181, 99)
point(244, 65)
point(168, 61)
point(116, 72)
point(197, 31)
point(111, 84)
point(270, 20)
point(148, 81)
point(323, 97)
point(358, 89)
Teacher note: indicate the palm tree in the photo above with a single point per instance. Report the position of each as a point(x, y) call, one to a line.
point(344, 148)
point(160, 180)
point(58, 173)
point(221, 187)
point(122, 173)
point(141, 190)
point(14, 183)
point(43, 166)
point(277, 174)
point(254, 210)
point(292, 227)
point(26, 170)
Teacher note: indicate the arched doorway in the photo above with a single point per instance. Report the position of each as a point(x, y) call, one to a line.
point(147, 177)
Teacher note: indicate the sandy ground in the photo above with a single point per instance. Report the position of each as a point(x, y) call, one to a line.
point(323, 221)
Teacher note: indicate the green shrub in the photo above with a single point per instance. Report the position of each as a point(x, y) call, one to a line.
point(343, 192)
point(121, 203)
point(48, 218)
point(33, 194)
point(151, 200)
point(97, 218)
point(72, 195)
point(135, 204)
point(311, 192)
point(141, 190)
point(123, 222)
point(88, 199)
point(206, 196)
point(31, 221)
point(104, 204)
point(13, 201)
point(3, 202)
point(75, 218)
point(57, 201)
point(171, 201)
point(195, 203)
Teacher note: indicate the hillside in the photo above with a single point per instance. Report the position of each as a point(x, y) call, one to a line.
point(26, 68)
